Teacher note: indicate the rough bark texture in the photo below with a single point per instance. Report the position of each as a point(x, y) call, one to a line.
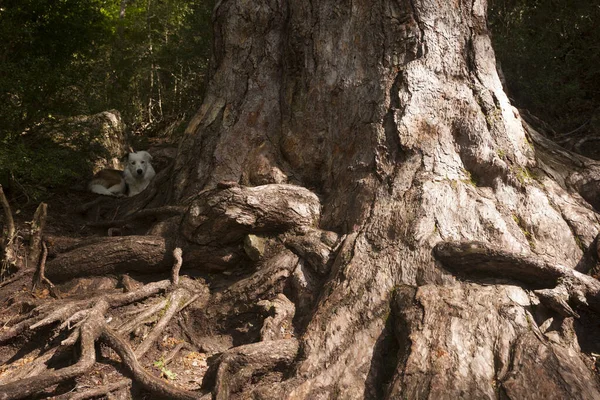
point(392, 114)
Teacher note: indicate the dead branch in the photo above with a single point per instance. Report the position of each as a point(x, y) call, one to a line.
point(10, 222)
point(8, 238)
point(37, 229)
point(102, 390)
point(40, 275)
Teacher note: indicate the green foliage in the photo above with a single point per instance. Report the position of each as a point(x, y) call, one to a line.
point(165, 373)
point(550, 54)
point(145, 58)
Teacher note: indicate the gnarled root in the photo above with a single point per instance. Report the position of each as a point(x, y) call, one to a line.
point(87, 320)
point(240, 364)
point(558, 285)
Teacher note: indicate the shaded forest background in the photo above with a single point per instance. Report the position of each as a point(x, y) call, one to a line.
point(149, 60)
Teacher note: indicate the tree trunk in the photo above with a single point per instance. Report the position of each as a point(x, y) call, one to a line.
point(393, 114)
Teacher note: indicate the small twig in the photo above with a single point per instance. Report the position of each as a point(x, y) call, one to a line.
point(177, 254)
point(175, 351)
point(41, 272)
point(102, 390)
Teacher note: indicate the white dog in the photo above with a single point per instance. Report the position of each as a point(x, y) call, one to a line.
point(137, 175)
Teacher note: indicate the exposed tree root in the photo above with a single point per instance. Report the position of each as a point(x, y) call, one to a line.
point(111, 255)
point(40, 275)
point(239, 364)
point(558, 285)
point(87, 318)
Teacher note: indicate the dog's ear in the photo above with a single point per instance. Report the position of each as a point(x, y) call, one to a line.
point(147, 156)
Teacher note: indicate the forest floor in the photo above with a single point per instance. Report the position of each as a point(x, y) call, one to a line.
point(172, 358)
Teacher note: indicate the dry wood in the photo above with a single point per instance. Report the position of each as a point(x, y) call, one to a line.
point(10, 229)
point(40, 275)
point(8, 237)
point(101, 391)
point(37, 230)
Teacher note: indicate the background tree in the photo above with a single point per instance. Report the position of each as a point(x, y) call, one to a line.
point(146, 59)
point(550, 55)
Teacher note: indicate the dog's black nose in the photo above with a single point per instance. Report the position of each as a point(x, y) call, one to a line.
point(139, 171)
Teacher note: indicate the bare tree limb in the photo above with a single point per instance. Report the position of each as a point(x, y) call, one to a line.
point(37, 229)
point(10, 222)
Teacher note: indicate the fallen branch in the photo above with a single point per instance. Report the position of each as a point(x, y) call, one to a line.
point(9, 221)
point(102, 390)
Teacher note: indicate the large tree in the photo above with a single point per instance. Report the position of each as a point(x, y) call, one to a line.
point(388, 224)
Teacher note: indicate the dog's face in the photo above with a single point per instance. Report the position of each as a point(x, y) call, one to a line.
point(138, 162)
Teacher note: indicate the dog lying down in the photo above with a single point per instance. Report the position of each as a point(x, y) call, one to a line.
point(137, 175)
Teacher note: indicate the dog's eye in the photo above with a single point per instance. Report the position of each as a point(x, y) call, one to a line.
point(133, 163)
point(143, 162)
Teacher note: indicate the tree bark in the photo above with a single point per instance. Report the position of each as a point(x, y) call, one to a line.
point(393, 115)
